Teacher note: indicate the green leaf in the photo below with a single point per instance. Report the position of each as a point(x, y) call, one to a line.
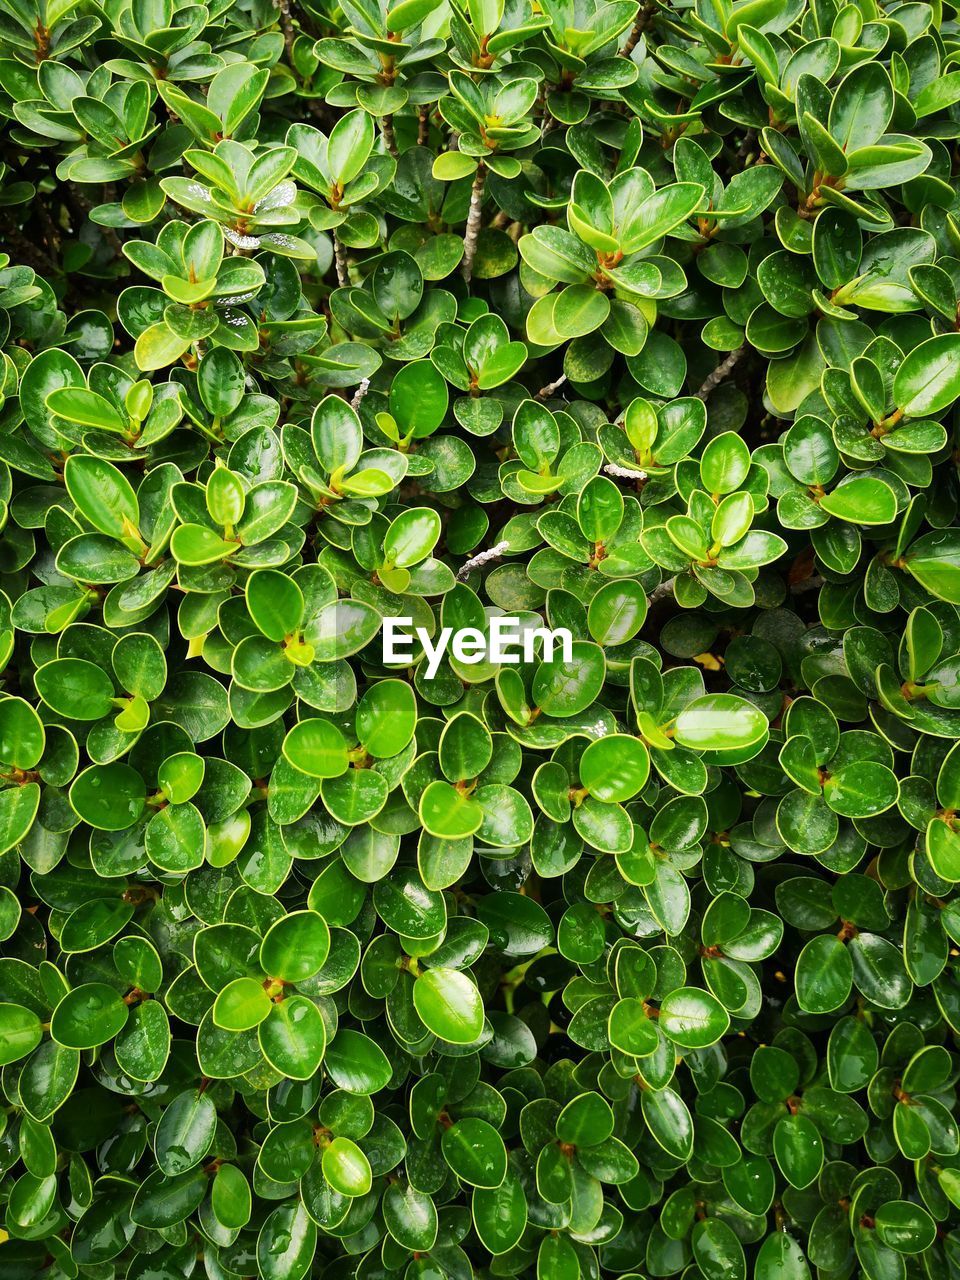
point(475, 1152)
point(292, 1038)
point(449, 1005)
point(337, 434)
point(387, 718)
point(411, 1217)
point(351, 141)
point(357, 1064)
point(781, 1258)
point(720, 722)
point(411, 538)
point(717, 1249)
point(448, 813)
point(241, 1005)
point(88, 1016)
point(500, 1214)
point(862, 501)
point(615, 768)
point(110, 797)
point(798, 1148)
point(22, 737)
point(660, 214)
point(295, 947)
point(862, 107)
point(185, 1133)
point(104, 497)
point(275, 603)
point(286, 1243)
point(21, 1032)
point(316, 747)
point(630, 1029)
point(418, 399)
point(85, 408)
point(230, 1199)
point(824, 975)
point(693, 1019)
point(724, 464)
point(451, 166)
point(346, 1168)
point(928, 379)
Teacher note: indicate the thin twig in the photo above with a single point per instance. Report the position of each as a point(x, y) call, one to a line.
point(358, 395)
point(662, 592)
point(644, 18)
point(545, 392)
point(473, 223)
point(389, 137)
point(286, 25)
point(722, 371)
point(633, 38)
point(625, 473)
point(423, 124)
point(481, 558)
point(546, 119)
point(340, 258)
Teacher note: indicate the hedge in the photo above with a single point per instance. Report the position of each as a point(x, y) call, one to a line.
point(638, 321)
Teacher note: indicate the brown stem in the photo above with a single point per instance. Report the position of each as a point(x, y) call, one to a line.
point(481, 558)
point(286, 26)
point(389, 137)
point(473, 222)
point(358, 395)
point(545, 392)
point(644, 18)
point(632, 39)
point(546, 119)
point(722, 371)
point(340, 258)
point(663, 592)
point(423, 125)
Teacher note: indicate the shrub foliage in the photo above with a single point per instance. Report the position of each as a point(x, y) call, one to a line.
point(640, 321)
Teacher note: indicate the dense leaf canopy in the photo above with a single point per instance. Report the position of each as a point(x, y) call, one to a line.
point(635, 320)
